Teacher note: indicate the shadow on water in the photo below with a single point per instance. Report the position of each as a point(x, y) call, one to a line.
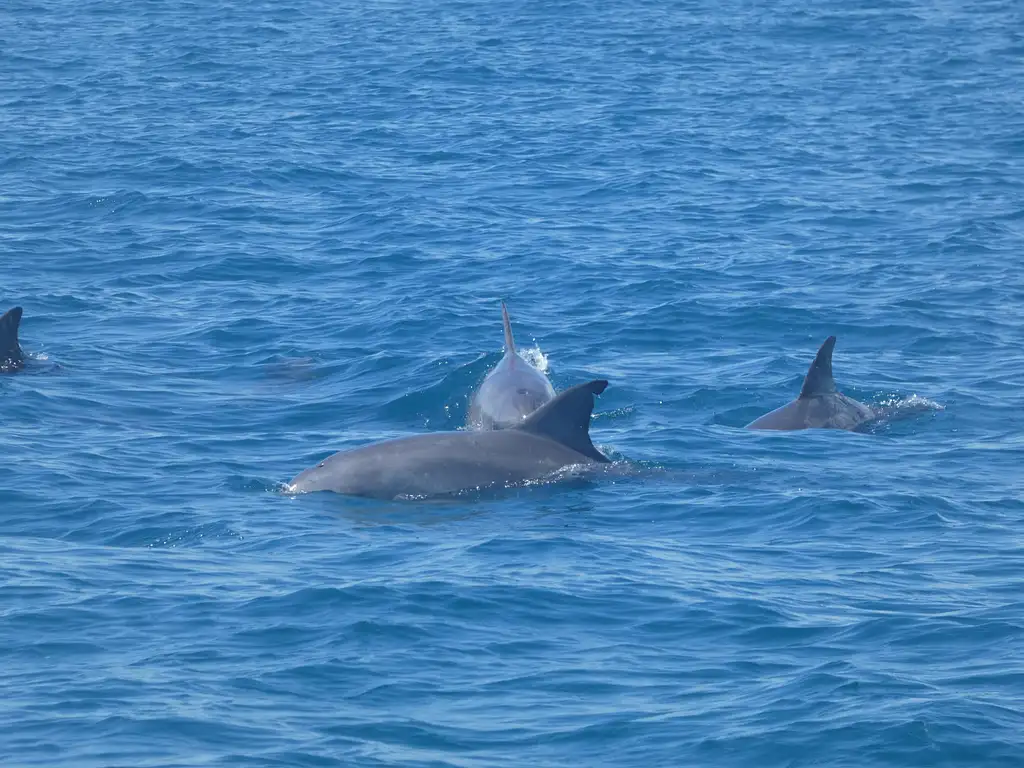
point(375, 512)
point(282, 369)
point(445, 509)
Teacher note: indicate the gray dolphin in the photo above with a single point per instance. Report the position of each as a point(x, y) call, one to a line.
point(511, 391)
point(556, 435)
point(820, 405)
point(11, 356)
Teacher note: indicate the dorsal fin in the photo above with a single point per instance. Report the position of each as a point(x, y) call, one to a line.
point(819, 379)
point(566, 419)
point(510, 344)
point(10, 350)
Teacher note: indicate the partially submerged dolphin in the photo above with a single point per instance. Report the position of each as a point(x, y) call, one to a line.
point(557, 435)
point(819, 405)
point(11, 356)
point(511, 391)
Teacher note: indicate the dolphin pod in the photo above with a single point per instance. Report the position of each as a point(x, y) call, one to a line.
point(518, 433)
point(520, 430)
point(511, 391)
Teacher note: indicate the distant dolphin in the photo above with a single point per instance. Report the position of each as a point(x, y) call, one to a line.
point(511, 391)
point(11, 356)
point(557, 435)
point(819, 405)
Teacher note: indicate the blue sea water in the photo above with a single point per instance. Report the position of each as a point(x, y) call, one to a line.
point(247, 235)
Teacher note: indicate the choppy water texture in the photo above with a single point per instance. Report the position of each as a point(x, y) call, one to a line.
point(248, 235)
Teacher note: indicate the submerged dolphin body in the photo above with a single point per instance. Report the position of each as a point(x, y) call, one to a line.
point(555, 436)
point(511, 391)
point(820, 405)
point(11, 356)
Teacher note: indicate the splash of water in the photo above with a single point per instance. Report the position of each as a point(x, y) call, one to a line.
point(905, 406)
point(535, 357)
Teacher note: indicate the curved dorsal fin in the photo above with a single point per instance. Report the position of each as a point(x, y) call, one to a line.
point(510, 345)
point(10, 350)
point(566, 419)
point(819, 379)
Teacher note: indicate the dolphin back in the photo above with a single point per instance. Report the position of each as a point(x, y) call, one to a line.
point(819, 405)
point(438, 463)
point(11, 355)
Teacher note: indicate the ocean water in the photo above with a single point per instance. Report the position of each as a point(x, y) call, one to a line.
point(247, 235)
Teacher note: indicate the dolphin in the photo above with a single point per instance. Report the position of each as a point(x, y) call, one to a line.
point(554, 436)
point(11, 356)
point(511, 391)
point(820, 405)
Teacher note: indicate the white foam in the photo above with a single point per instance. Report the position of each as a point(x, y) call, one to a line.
point(535, 357)
point(912, 404)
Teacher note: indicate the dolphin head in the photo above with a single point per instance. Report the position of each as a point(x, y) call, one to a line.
point(348, 471)
point(509, 393)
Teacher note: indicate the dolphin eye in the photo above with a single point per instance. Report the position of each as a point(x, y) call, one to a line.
point(522, 391)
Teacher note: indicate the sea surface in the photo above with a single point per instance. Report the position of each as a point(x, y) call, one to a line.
point(249, 234)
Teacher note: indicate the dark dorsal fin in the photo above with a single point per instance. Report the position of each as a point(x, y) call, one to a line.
point(10, 351)
point(566, 419)
point(819, 379)
point(510, 345)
